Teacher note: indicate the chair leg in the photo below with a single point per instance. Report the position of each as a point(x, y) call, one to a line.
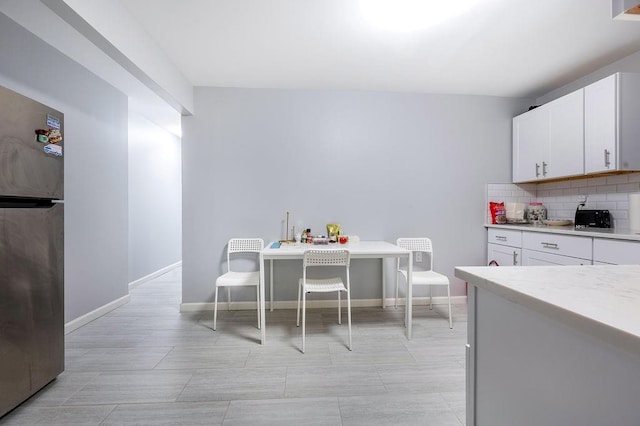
point(215, 309)
point(258, 303)
point(406, 306)
point(304, 316)
point(449, 297)
point(298, 310)
point(339, 310)
point(228, 298)
point(397, 283)
point(349, 316)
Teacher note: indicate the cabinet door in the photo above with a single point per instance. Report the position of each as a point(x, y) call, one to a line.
point(557, 244)
point(566, 137)
point(600, 140)
point(538, 258)
point(503, 255)
point(616, 252)
point(504, 237)
point(530, 141)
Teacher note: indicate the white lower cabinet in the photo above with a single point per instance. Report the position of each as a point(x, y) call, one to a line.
point(558, 244)
point(539, 248)
point(503, 255)
point(538, 258)
point(616, 252)
point(504, 247)
point(505, 237)
point(511, 247)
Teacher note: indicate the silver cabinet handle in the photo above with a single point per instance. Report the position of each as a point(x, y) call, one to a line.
point(607, 158)
point(537, 170)
point(550, 245)
point(501, 238)
point(515, 258)
point(544, 168)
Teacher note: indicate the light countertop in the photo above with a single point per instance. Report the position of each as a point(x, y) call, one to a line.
point(612, 233)
point(602, 301)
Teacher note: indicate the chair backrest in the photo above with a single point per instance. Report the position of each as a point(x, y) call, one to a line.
point(316, 257)
point(417, 244)
point(326, 257)
point(243, 245)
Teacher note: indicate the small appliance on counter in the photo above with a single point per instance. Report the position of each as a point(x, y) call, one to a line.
point(592, 218)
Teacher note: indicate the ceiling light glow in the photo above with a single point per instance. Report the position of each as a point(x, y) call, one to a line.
point(412, 15)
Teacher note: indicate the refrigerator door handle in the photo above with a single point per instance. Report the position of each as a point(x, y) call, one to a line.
point(12, 202)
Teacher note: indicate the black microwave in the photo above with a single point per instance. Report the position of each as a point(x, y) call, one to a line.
point(592, 219)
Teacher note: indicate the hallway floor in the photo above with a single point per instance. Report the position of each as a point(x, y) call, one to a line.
point(146, 363)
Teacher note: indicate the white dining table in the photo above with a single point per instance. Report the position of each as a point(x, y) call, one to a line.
point(358, 250)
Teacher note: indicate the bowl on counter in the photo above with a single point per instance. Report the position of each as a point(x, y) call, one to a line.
point(557, 222)
point(517, 221)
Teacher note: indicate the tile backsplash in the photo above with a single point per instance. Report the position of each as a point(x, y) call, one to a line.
point(561, 198)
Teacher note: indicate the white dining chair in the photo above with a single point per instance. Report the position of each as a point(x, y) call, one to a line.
point(323, 258)
point(240, 247)
point(426, 277)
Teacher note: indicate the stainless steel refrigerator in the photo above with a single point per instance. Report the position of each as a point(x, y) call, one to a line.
point(31, 247)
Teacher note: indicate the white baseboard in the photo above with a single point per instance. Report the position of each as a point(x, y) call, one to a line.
point(292, 304)
point(95, 314)
point(156, 274)
point(105, 309)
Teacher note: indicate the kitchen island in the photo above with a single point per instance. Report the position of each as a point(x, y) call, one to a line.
point(553, 345)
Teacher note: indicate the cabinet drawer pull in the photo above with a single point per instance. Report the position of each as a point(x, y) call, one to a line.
point(501, 238)
point(537, 170)
point(515, 258)
point(550, 245)
point(607, 158)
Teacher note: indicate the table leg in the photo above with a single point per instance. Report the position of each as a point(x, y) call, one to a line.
point(262, 303)
point(384, 280)
point(271, 285)
point(409, 295)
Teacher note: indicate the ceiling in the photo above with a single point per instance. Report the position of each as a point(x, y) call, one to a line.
point(513, 48)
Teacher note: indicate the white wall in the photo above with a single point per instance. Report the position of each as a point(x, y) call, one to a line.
point(383, 165)
point(561, 198)
point(112, 29)
point(629, 64)
point(95, 164)
point(155, 197)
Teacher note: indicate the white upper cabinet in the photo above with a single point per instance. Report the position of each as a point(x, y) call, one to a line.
point(566, 136)
point(600, 125)
point(548, 142)
point(530, 143)
point(612, 126)
point(590, 131)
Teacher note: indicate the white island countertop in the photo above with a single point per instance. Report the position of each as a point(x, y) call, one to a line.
point(602, 301)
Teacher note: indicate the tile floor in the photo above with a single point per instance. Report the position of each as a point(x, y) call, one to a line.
point(145, 363)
